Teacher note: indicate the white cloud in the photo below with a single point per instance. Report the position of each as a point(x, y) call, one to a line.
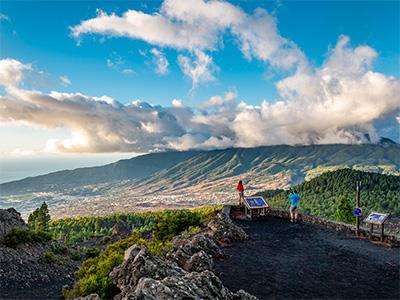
point(198, 67)
point(198, 26)
point(220, 102)
point(160, 61)
point(117, 63)
point(128, 71)
point(260, 39)
point(65, 81)
point(12, 72)
point(155, 29)
point(341, 101)
point(4, 17)
point(177, 103)
point(17, 152)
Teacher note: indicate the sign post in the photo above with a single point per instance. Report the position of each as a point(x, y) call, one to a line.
point(358, 209)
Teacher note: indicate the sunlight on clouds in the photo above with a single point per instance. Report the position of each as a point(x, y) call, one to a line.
point(339, 102)
point(199, 68)
point(220, 102)
point(198, 26)
point(11, 72)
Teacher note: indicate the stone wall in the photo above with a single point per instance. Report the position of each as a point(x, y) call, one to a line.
point(392, 240)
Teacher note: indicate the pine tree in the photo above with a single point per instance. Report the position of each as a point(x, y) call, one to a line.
point(344, 210)
point(39, 219)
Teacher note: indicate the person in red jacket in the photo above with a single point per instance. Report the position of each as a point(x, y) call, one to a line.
point(240, 189)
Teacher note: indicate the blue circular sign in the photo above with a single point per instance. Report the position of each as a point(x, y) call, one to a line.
point(358, 211)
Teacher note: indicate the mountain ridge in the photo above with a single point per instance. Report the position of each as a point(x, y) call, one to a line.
point(182, 169)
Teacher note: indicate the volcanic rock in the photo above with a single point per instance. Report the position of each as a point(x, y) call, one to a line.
point(145, 276)
point(224, 230)
point(195, 253)
point(10, 218)
point(141, 263)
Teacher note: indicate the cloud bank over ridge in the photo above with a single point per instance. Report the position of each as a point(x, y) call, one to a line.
point(341, 101)
point(338, 102)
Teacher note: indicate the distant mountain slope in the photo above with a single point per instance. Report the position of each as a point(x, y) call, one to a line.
point(259, 163)
point(378, 193)
point(134, 168)
point(177, 170)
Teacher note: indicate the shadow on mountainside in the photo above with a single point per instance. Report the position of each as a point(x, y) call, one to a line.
point(282, 260)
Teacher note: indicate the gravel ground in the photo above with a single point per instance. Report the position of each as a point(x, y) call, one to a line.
point(282, 260)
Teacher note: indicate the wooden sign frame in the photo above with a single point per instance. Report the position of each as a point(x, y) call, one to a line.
point(257, 210)
point(376, 218)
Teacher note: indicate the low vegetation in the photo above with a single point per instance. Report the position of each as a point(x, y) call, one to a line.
point(93, 276)
point(50, 257)
point(18, 236)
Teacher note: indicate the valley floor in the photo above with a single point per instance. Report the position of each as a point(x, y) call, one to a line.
point(282, 260)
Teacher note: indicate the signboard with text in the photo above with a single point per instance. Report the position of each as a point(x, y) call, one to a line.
point(376, 218)
point(256, 202)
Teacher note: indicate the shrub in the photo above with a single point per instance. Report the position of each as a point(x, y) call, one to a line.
point(19, 236)
point(173, 223)
point(93, 273)
point(75, 255)
point(92, 276)
point(92, 252)
point(344, 210)
point(192, 230)
point(50, 257)
point(105, 240)
point(15, 237)
point(159, 247)
point(57, 248)
point(40, 236)
point(207, 212)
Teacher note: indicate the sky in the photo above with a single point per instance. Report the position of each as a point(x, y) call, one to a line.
point(89, 82)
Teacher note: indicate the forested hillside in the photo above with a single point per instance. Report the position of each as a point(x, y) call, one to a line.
point(319, 196)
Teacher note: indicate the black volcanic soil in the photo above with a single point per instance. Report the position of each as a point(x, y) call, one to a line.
point(282, 260)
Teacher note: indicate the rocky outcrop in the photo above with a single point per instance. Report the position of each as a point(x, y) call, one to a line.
point(10, 218)
point(89, 297)
point(195, 253)
point(204, 285)
point(145, 276)
point(140, 263)
point(224, 230)
point(186, 270)
point(25, 273)
point(119, 230)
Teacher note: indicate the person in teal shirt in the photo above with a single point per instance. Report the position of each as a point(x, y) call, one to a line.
point(294, 198)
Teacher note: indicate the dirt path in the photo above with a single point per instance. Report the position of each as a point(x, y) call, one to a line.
point(282, 260)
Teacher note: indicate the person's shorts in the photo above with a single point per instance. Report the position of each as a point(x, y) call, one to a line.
point(293, 209)
point(241, 194)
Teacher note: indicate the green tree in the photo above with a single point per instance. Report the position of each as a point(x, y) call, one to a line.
point(344, 210)
point(40, 218)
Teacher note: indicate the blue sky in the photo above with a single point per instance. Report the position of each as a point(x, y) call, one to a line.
point(38, 32)
point(339, 47)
